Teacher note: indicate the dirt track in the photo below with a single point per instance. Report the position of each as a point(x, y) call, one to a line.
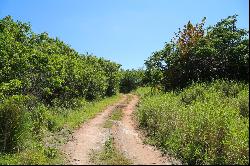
point(91, 136)
point(129, 140)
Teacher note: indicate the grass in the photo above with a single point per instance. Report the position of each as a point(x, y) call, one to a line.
point(52, 128)
point(115, 116)
point(202, 124)
point(109, 155)
point(75, 118)
point(36, 155)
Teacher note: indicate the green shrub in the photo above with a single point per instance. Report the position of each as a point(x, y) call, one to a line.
point(70, 103)
point(130, 80)
point(243, 104)
point(37, 117)
point(12, 114)
point(203, 124)
point(47, 68)
point(45, 87)
point(201, 54)
point(193, 93)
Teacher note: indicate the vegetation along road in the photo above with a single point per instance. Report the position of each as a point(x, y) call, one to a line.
point(91, 137)
point(190, 105)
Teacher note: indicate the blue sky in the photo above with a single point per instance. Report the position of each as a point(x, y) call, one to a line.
point(125, 31)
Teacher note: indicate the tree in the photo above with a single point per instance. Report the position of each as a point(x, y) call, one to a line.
point(196, 54)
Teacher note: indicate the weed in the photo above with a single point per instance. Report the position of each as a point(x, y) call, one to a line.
point(115, 116)
point(43, 130)
point(203, 124)
point(109, 155)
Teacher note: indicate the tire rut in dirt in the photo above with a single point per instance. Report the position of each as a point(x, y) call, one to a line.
point(128, 140)
point(89, 137)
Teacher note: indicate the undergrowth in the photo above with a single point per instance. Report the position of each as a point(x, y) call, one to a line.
point(116, 115)
point(206, 123)
point(36, 134)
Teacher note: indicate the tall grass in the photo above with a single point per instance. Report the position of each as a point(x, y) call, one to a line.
point(34, 135)
point(202, 124)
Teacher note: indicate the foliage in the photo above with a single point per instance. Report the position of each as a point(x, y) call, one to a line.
point(47, 68)
point(61, 117)
point(11, 122)
point(198, 54)
point(115, 116)
point(42, 130)
point(46, 88)
point(106, 76)
point(131, 79)
point(203, 124)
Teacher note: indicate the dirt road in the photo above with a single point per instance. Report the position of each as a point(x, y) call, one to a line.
point(91, 136)
point(129, 140)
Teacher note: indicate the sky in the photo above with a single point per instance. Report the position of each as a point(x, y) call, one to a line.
point(124, 31)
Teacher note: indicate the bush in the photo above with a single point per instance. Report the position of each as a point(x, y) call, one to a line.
point(12, 115)
point(130, 80)
point(44, 86)
point(203, 124)
point(198, 54)
point(49, 69)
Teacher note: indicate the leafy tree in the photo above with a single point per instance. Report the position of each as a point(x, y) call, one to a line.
point(49, 69)
point(198, 54)
point(131, 79)
point(36, 69)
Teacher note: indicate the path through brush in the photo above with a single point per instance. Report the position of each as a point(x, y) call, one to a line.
point(91, 136)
